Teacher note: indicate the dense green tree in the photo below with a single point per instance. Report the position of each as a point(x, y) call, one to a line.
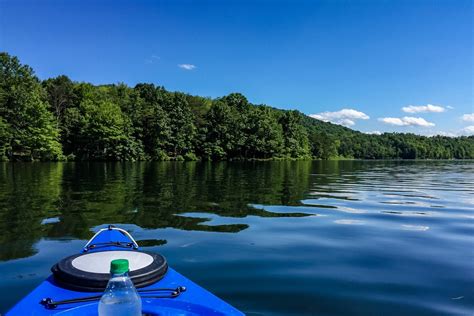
point(60, 96)
point(219, 136)
point(199, 106)
point(295, 136)
point(324, 146)
point(97, 129)
point(151, 122)
point(237, 101)
point(183, 129)
point(240, 108)
point(116, 122)
point(27, 127)
point(5, 137)
point(265, 134)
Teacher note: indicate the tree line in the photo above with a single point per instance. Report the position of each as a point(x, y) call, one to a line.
point(58, 119)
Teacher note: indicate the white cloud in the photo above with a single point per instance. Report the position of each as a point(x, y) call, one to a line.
point(450, 107)
point(441, 133)
point(392, 121)
point(468, 117)
point(469, 130)
point(346, 117)
point(345, 122)
point(374, 133)
point(187, 66)
point(406, 121)
point(423, 108)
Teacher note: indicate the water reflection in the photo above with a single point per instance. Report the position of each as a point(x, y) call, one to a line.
point(151, 242)
point(28, 195)
point(54, 200)
point(318, 238)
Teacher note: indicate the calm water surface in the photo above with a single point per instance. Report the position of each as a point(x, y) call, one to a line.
point(272, 238)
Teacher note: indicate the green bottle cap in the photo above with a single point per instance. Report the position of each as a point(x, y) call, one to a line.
point(119, 266)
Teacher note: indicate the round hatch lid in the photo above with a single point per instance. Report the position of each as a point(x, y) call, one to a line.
point(90, 271)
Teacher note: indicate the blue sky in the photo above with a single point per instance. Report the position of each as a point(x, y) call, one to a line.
point(357, 63)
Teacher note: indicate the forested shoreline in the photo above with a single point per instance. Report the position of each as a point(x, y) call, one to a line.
point(58, 119)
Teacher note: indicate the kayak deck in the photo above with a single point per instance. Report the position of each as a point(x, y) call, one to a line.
point(187, 303)
point(194, 301)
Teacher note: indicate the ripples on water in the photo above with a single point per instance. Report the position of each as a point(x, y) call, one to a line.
point(274, 238)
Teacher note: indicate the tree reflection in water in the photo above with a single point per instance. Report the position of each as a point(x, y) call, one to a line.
point(66, 200)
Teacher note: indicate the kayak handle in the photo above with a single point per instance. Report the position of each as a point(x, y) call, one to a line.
point(49, 303)
point(88, 246)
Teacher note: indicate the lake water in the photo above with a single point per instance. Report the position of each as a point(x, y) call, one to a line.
point(271, 238)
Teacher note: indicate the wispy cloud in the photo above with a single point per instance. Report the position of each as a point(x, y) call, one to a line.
point(346, 117)
point(187, 66)
point(468, 117)
point(423, 108)
point(406, 121)
point(152, 59)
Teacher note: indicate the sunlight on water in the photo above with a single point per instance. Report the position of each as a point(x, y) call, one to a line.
point(349, 222)
point(415, 227)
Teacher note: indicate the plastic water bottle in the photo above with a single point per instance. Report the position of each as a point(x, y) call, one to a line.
point(120, 297)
